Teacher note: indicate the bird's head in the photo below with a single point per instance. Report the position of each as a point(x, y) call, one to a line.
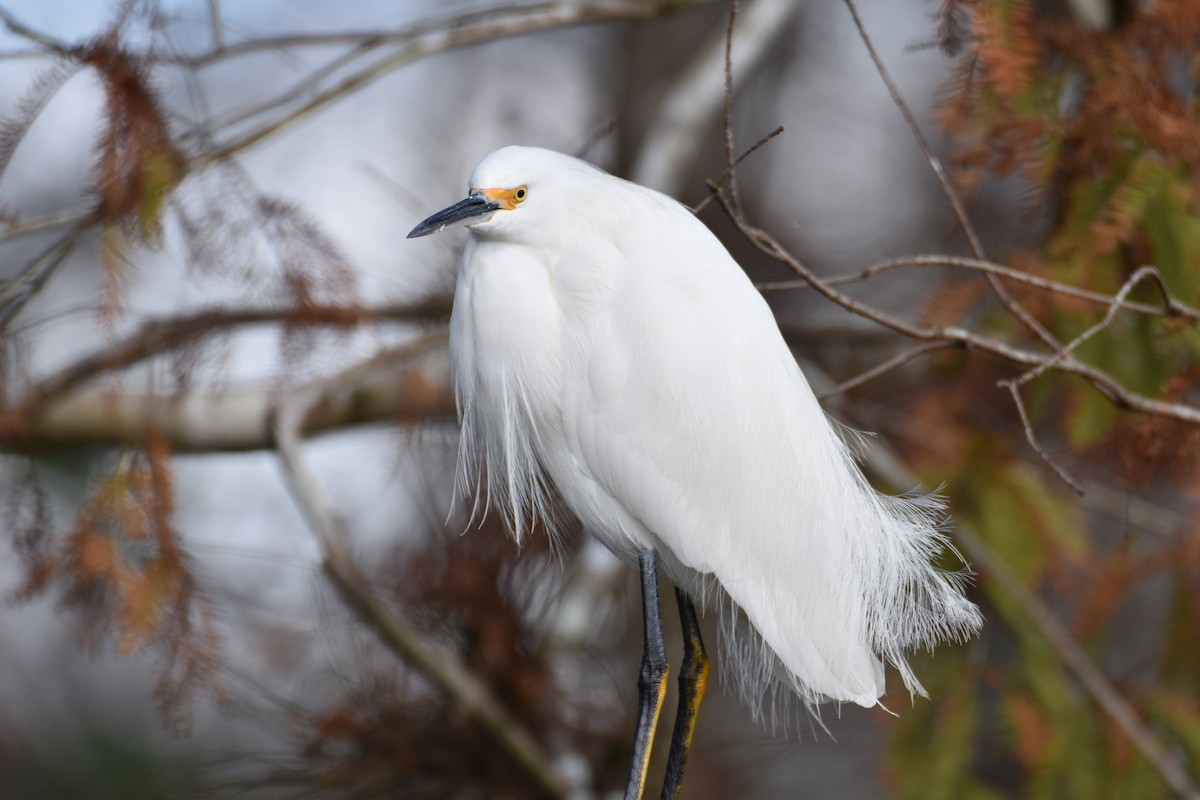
point(513, 193)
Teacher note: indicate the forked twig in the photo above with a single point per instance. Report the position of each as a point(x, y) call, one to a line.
point(17, 293)
point(1115, 305)
point(956, 203)
point(1171, 306)
point(1013, 385)
point(1119, 394)
point(669, 150)
point(1015, 392)
point(714, 185)
point(448, 33)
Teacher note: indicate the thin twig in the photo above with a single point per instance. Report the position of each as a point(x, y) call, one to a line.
point(886, 366)
point(956, 203)
point(727, 112)
point(55, 219)
point(1141, 274)
point(1105, 383)
point(302, 88)
point(1171, 306)
point(25, 55)
point(1014, 390)
point(218, 28)
point(449, 33)
point(444, 669)
point(498, 14)
point(676, 133)
point(19, 28)
point(714, 184)
point(33, 278)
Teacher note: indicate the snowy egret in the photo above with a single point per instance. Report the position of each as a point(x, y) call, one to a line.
point(603, 341)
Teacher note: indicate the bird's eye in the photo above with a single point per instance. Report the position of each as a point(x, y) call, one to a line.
point(520, 194)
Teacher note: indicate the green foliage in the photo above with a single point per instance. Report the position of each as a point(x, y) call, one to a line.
point(161, 172)
point(936, 743)
point(1091, 418)
point(93, 763)
point(1179, 656)
point(1012, 508)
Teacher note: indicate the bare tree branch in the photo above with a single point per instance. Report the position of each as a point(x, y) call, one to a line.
point(886, 366)
point(714, 185)
point(727, 111)
point(218, 28)
point(56, 219)
point(17, 293)
point(673, 139)
point(1031, 437)
point(442, 668)
point(302, 88)
point(1076, 659)
point(463, 30)
point(1171, 306)
point(42, 40)
point(503, 17)
point(415, 390)
point(1140, 275)
point(158, 336)
point(956, 203)
point(885, 463)
point(1105, 383)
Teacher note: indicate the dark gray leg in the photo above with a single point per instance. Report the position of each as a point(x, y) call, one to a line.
point(693, 680)
point(652, 681)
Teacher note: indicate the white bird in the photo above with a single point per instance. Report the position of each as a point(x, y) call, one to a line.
point(603, 341)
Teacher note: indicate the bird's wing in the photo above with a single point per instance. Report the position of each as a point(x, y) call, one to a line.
point(690, 414)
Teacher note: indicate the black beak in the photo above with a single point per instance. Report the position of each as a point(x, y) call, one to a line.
point(464, 212)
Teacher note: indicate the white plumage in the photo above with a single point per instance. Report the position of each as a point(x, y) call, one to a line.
point(605, 342)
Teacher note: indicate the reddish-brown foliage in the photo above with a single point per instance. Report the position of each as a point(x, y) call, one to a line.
point(122, 571)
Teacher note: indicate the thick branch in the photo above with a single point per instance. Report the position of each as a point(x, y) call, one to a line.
point(158, 336)
point(673, 139)
point(416, 388)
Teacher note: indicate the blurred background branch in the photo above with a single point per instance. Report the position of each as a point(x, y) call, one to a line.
point(442, 669)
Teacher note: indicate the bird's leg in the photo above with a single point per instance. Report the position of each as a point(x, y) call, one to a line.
point(652, 681)
point(693, 680)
